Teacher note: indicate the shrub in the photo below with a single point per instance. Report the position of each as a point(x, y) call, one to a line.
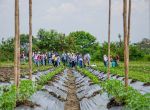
point(45, 78)
point(26, 89)
point(8, 98)
point(132, 98)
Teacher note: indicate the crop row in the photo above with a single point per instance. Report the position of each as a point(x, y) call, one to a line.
point(130, 97)
point(132, 74)
point(10, 96)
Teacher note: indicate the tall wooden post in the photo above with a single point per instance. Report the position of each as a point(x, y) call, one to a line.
point(126, 48)
point(17, 45)
point(109, 25)
point(30, 39)
point(129, 19)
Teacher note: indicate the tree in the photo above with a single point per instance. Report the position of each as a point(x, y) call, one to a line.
point(109, 24)
point(126, 48)
point(81, 41)
point(50, 40)
point(17, 45)
point(7, 50)
point(30, 39)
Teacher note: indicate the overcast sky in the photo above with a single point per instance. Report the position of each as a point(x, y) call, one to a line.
point(72, 15)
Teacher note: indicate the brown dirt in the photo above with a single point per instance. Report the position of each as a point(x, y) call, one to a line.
point(133, 81)
point(26, 103)
point(146, 84)
point(7, 73)
point(114, 103)
point(72, 102)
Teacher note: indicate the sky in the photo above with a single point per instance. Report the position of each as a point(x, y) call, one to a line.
point(74, 15)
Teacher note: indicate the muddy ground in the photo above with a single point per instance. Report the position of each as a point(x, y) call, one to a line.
point(72, 102)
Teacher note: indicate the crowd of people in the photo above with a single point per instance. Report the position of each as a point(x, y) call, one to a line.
point(68, 59)
point(114, 60)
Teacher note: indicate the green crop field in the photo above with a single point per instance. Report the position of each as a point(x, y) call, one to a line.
point(138, 70)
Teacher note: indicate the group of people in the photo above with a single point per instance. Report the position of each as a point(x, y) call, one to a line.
point(114, 60)
point(68, 59)
point(46, 58)
point(72, 59)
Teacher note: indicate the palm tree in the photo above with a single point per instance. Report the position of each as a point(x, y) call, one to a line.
point(109, 24)
point(126, 48)
point(120, 42)
point(30, 39)
point(17, 45)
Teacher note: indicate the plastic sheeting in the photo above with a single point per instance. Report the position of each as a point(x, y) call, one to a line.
point(39, 74)
point(48, 101)
point(136, 85)
point(85, 93)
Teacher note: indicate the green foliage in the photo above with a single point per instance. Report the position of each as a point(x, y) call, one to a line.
point(26, 89)
point(115, 47)
point(135, 53)
point(83, 42)
point(144, 45)
point(132, 98)
point(78, 41)
point(7, 50)
point(41, 68)
point(94, 78)
point(51, 40)
point(45, 78)
point(7, 47)
point(8, 98)
point(138, 70)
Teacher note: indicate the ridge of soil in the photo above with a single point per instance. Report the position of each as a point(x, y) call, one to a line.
point(72, 102)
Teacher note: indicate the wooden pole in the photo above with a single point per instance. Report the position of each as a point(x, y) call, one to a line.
point(17, 45)
point(126, 48)
point(30, 39)
point(129, 19)
point(109, 25)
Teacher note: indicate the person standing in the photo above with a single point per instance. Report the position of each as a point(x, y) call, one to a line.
point(80, 61)
point(88, 59)
point(53, 57)
point(105, 60)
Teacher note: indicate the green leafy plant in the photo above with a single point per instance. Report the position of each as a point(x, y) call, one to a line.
point(132, 98)
point(45, 78)
point(26, 89)
point(94, 78)
point(8, 99)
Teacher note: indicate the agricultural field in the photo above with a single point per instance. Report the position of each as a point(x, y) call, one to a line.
point(7, 70)
point(68, 88)
point(54, 55)
point(138, 70)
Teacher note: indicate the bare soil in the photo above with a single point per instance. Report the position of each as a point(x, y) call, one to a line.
point(146, 84)
point(72, 102)
point(27, 103)
point(114, 103)
point(7, 73)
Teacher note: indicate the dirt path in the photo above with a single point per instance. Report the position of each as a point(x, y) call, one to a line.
point(72, 102)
